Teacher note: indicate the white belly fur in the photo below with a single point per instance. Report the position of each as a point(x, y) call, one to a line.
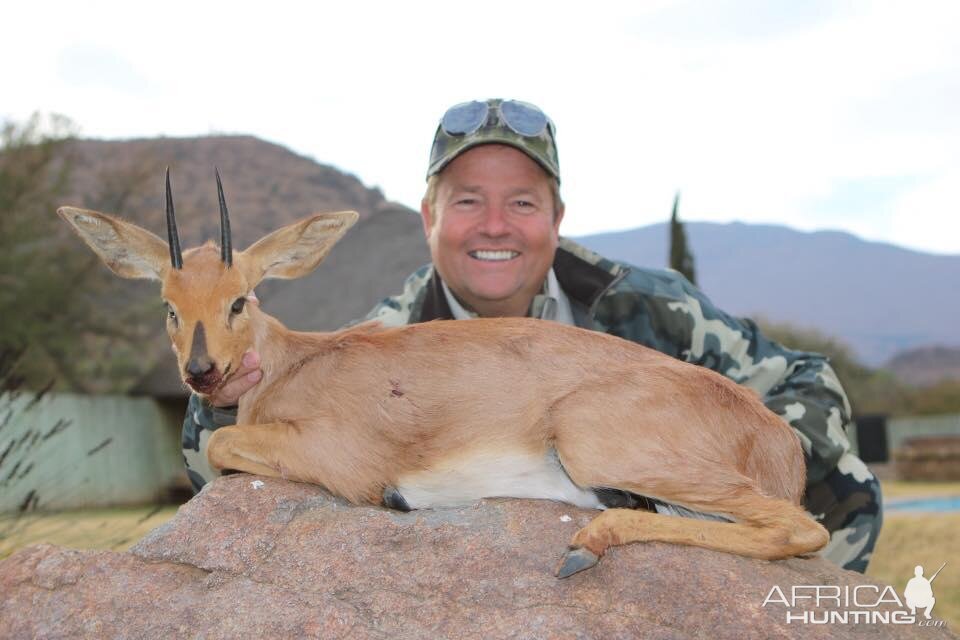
point(489, 474)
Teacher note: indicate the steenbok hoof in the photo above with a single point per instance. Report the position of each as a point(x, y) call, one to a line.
point(393, 500)
point(576, 559)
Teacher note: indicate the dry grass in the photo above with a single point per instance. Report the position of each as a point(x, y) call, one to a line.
point(900, 489)
point(115, 529)
point(927, 539)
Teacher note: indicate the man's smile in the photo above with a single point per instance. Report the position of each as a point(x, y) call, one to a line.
point(493, 256)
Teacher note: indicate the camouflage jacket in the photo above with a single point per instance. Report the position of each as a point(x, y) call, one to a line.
point(656, 308)
point(662, 310)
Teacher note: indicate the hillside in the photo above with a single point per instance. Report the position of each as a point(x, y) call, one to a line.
point(266, 187)
point(926, 365)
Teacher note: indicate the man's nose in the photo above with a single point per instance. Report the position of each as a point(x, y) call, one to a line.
point(494, 222)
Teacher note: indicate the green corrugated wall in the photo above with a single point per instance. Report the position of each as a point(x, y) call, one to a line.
point(108, 450)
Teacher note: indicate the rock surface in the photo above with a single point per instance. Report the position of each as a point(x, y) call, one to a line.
point(285, 560)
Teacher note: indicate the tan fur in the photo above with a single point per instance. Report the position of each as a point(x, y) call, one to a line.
point(358, 410)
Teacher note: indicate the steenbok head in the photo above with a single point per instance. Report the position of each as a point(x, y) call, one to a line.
point(205, 289)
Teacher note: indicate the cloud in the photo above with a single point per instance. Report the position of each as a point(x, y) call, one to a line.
point(927, 217)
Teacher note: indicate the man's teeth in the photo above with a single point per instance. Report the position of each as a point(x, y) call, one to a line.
point(494, 255)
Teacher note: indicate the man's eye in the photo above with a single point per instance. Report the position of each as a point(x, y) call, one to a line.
point(237, 305)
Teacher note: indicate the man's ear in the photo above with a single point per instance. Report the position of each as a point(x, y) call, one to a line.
point(297, 249)
point(558, 218)
point(129, 251)
point(426, 217)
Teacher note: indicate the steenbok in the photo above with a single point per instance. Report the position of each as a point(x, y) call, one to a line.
point(448, 412)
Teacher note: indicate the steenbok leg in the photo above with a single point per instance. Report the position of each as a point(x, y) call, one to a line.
point(252, 449)
point(764, 528)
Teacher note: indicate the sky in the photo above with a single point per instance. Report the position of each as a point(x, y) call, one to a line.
point(814, 115)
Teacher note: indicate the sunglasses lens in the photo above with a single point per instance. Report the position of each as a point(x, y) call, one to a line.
point(464, 118)
point(523, 118)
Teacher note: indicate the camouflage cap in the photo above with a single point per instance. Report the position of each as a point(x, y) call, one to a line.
point(496, 125)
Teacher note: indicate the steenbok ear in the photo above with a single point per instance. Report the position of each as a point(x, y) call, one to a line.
point(297, 249)
point(129, 251)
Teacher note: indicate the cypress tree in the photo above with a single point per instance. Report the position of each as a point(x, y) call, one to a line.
point(680, 257)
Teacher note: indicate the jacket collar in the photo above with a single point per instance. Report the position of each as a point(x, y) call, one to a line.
point(432, 304)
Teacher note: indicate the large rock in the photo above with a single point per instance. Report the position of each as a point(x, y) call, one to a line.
point(286, 560)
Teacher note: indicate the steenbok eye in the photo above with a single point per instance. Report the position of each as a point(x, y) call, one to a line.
point(171, 314)
point(237, 306)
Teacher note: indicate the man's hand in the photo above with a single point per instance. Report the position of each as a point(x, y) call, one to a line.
point(244, 379)
point(247, 376)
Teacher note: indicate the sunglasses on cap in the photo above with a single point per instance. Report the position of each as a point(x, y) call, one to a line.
point(522, 118)
point(517, 124)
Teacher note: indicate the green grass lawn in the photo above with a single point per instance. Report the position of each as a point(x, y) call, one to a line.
point(906, 540)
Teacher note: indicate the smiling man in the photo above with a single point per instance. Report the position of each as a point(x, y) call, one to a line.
point(493, 229)
point(491, 216)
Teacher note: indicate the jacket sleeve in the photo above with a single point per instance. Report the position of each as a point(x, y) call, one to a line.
point(201, 420)
point(799, 386)
point(396, 311)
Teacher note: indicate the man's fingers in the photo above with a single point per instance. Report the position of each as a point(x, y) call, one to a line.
point(251, 360)
point(248, 375)
point(230, 394)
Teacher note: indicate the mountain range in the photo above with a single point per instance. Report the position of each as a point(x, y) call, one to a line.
point(878, 298)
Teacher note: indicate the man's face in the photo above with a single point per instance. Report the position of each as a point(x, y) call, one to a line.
point(494, 233)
